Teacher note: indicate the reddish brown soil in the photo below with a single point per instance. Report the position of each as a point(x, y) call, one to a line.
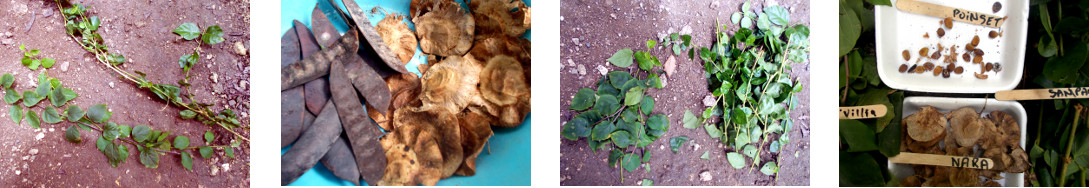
point(600, 35)
point(142, 31)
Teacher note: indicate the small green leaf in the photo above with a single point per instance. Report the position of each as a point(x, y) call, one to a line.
point(750, 151)
point(770, 168)
point(72, 134)
point(69, 94)
point(74, 113)
point(713, 131)
point(187, 114)
point(576, 128)
point(622, 58)
point(150, 158)
point(646, 156)
point(187, 61)
point(647, 105)
point(648, 182)
point(205, 152)
point(736, 160)
point(48, 62)
point(57, 97)
point(706, 155)
point(675, 143)
point(94, 23)
point(49, 115)
point(16, 112)
point(30, 98)
point(116, 59)
point(614, 156)
point(112, 131)
point(658, 122)
point(229, 151)
point(181, 142)
point(188, 31)
point(651, 43)
point(736, 18)
point(602, 131)
point(7, 80)
point(634, 96)
point(208, 137)
point(858, 136)
point(187, 161)
point(778, 15)
point(630, 162)
point(690, 121)
point(212, 35)
point(583, 99)
point(141, 133)
point(606, 104)
point(32, 119)
point(621, 139)
point(99, 113)
point(11, 96)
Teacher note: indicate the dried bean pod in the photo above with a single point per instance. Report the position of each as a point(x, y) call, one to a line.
point(312, 145)
point(363, 134)
point(317, 65)
point(341, 162)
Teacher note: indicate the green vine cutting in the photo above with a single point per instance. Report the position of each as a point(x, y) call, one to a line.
point(83, 29)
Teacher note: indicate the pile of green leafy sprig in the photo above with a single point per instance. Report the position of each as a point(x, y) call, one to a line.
point(618, 111)
point(746, 74)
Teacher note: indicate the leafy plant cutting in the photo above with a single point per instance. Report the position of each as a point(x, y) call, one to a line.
point(746, 74)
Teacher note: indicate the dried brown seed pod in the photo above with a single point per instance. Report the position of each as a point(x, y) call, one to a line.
point(978, 52)
point(977, 59)
point(935, 55)
point(941, 32)
point(988, 67)
point(907, 56)
point(969, 47)
point(937, 71)
point(993, 34)
point(903, 67)
point(959, 70)
point(975, 40)
point(924, 52)
point(920, 69)
point(929, 66)
point(945, 74)
point(949, 22)
point(967, 57)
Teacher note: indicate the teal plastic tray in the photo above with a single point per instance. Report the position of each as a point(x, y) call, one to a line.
point(509, 160)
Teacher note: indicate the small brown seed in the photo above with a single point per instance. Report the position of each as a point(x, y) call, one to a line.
point(988, 67)
point(993, 34)
point(903, 68)
point(969, 47)
point(929, 66)
point(924, 52)
point(975, 41)
point(920, 69)
point(945, 74)
point(941, 32)
point(967, 57)
point(937, 71)
point(981, 76)
point(959, 70)
point(936, 55)
point(912, 68)
point(978, 52)
point(907, 56)
point(949, 22)
point(950, 66)
point(977, 59)
point(996, 7)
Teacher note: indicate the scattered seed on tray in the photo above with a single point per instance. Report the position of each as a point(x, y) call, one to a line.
point(937, 71)
point(977, 59)
point(924, 51)
point(967, 57)
point(978, 52)
point(988, 67)
point(996, 7)
point(941, 32)
point(929, 66)
point(949, 22)
point(936, 55)
point(997, 67)
point(993, 34)
point(959, 70)
point(975, 41)
point(907, 56)
point(903, 68)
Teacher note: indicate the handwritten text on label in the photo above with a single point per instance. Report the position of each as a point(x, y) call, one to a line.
point(858, 112)
point(1068, 92)
point(970, 162)
point(982, 19)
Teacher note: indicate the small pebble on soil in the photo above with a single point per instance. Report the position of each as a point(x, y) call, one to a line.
point(705, 176)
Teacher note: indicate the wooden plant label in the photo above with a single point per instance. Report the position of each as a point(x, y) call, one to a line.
point(943, 160)
point(1043, 94)
point(958, 14)
point(862, 112)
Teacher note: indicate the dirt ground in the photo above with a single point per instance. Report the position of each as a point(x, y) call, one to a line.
point(142, 31)
point(591, 31)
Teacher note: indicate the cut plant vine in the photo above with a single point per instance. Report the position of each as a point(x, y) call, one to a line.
point(83, 28)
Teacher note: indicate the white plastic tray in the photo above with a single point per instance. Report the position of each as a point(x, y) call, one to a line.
point(946, 105)
point(897, 31)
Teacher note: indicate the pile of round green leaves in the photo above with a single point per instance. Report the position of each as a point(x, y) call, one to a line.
point(617, 112)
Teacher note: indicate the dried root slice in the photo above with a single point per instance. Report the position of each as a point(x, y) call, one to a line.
point(475, 131)
point(502, 81)
point(451, 85)
point(398, 36)
point(912, 181)
point(434, 136)
point(1000, 158)
point(402, 166)
point(489, 46)
point(504, 17)
point(1020, 161)
point(927, 125)
point(446, 30)
point(964, 178)
point(967, 126)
